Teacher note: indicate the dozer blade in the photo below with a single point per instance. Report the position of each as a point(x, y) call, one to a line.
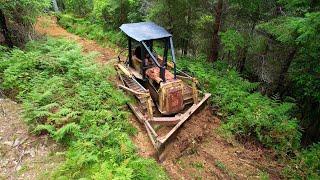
point(177, 121)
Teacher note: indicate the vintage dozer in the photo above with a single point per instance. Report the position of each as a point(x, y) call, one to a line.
point(165, 96)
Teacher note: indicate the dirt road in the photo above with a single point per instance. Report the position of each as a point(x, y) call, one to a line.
point(197, 151)
point(48, 26)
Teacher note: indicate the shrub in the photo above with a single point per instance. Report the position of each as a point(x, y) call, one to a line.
point(79, 7)
point(247, 113)
point(66, 95)
point(305, 165)
point(116, 12)
point(20, 17)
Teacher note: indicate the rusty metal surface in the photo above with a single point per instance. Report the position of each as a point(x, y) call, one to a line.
point(154, 73)
point(174, 100)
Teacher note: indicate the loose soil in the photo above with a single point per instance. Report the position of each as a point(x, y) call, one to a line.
point(196, 151)
point(23, 155)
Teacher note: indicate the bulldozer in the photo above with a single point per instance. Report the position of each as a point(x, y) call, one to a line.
point(165, 97)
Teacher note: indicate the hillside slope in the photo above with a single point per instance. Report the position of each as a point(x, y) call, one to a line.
point(197, 151)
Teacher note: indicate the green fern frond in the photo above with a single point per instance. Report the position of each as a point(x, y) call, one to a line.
point(66, 131)
point(41, 114)
point(44, 128)
point(50, 106)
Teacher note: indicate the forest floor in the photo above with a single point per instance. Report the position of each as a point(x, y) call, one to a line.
point(23, 155)
point(196, 152)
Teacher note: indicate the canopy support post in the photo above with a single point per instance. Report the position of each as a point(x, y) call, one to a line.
point(130, 51)
point(162, 68)
point(173, 58)
point(165, 54)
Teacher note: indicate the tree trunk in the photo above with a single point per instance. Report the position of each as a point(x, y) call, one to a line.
point(185, 47)
point(123, 13)
point(216, 29)
point(4, 30)
point(55, 6)
point(283, 72)
point(186, 41)
point(243, 59)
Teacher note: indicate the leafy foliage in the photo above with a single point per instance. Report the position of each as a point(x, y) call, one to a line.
point(68, 96)
point(303, 34)
point(117, 12)
point(232, 41)
point(24, 12)
point(305, 165)
point(79, 7)
point(20, 17)
point(181, 19)
point(110, 12)
point(300, 7)
point(247, 113)
point(95, 31)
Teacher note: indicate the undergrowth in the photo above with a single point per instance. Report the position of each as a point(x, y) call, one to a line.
point(68, 96)
point(306, 164)
point(247, 113)
point(92, 29)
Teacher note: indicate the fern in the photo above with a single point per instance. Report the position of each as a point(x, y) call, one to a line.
point(41, 114)
point(44, 128)
point(68, 96)
point(305, 165)
point(67, 132)
point(50, 106)
point(247, 113)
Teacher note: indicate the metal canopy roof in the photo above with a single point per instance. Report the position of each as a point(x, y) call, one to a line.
point(144, 31)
